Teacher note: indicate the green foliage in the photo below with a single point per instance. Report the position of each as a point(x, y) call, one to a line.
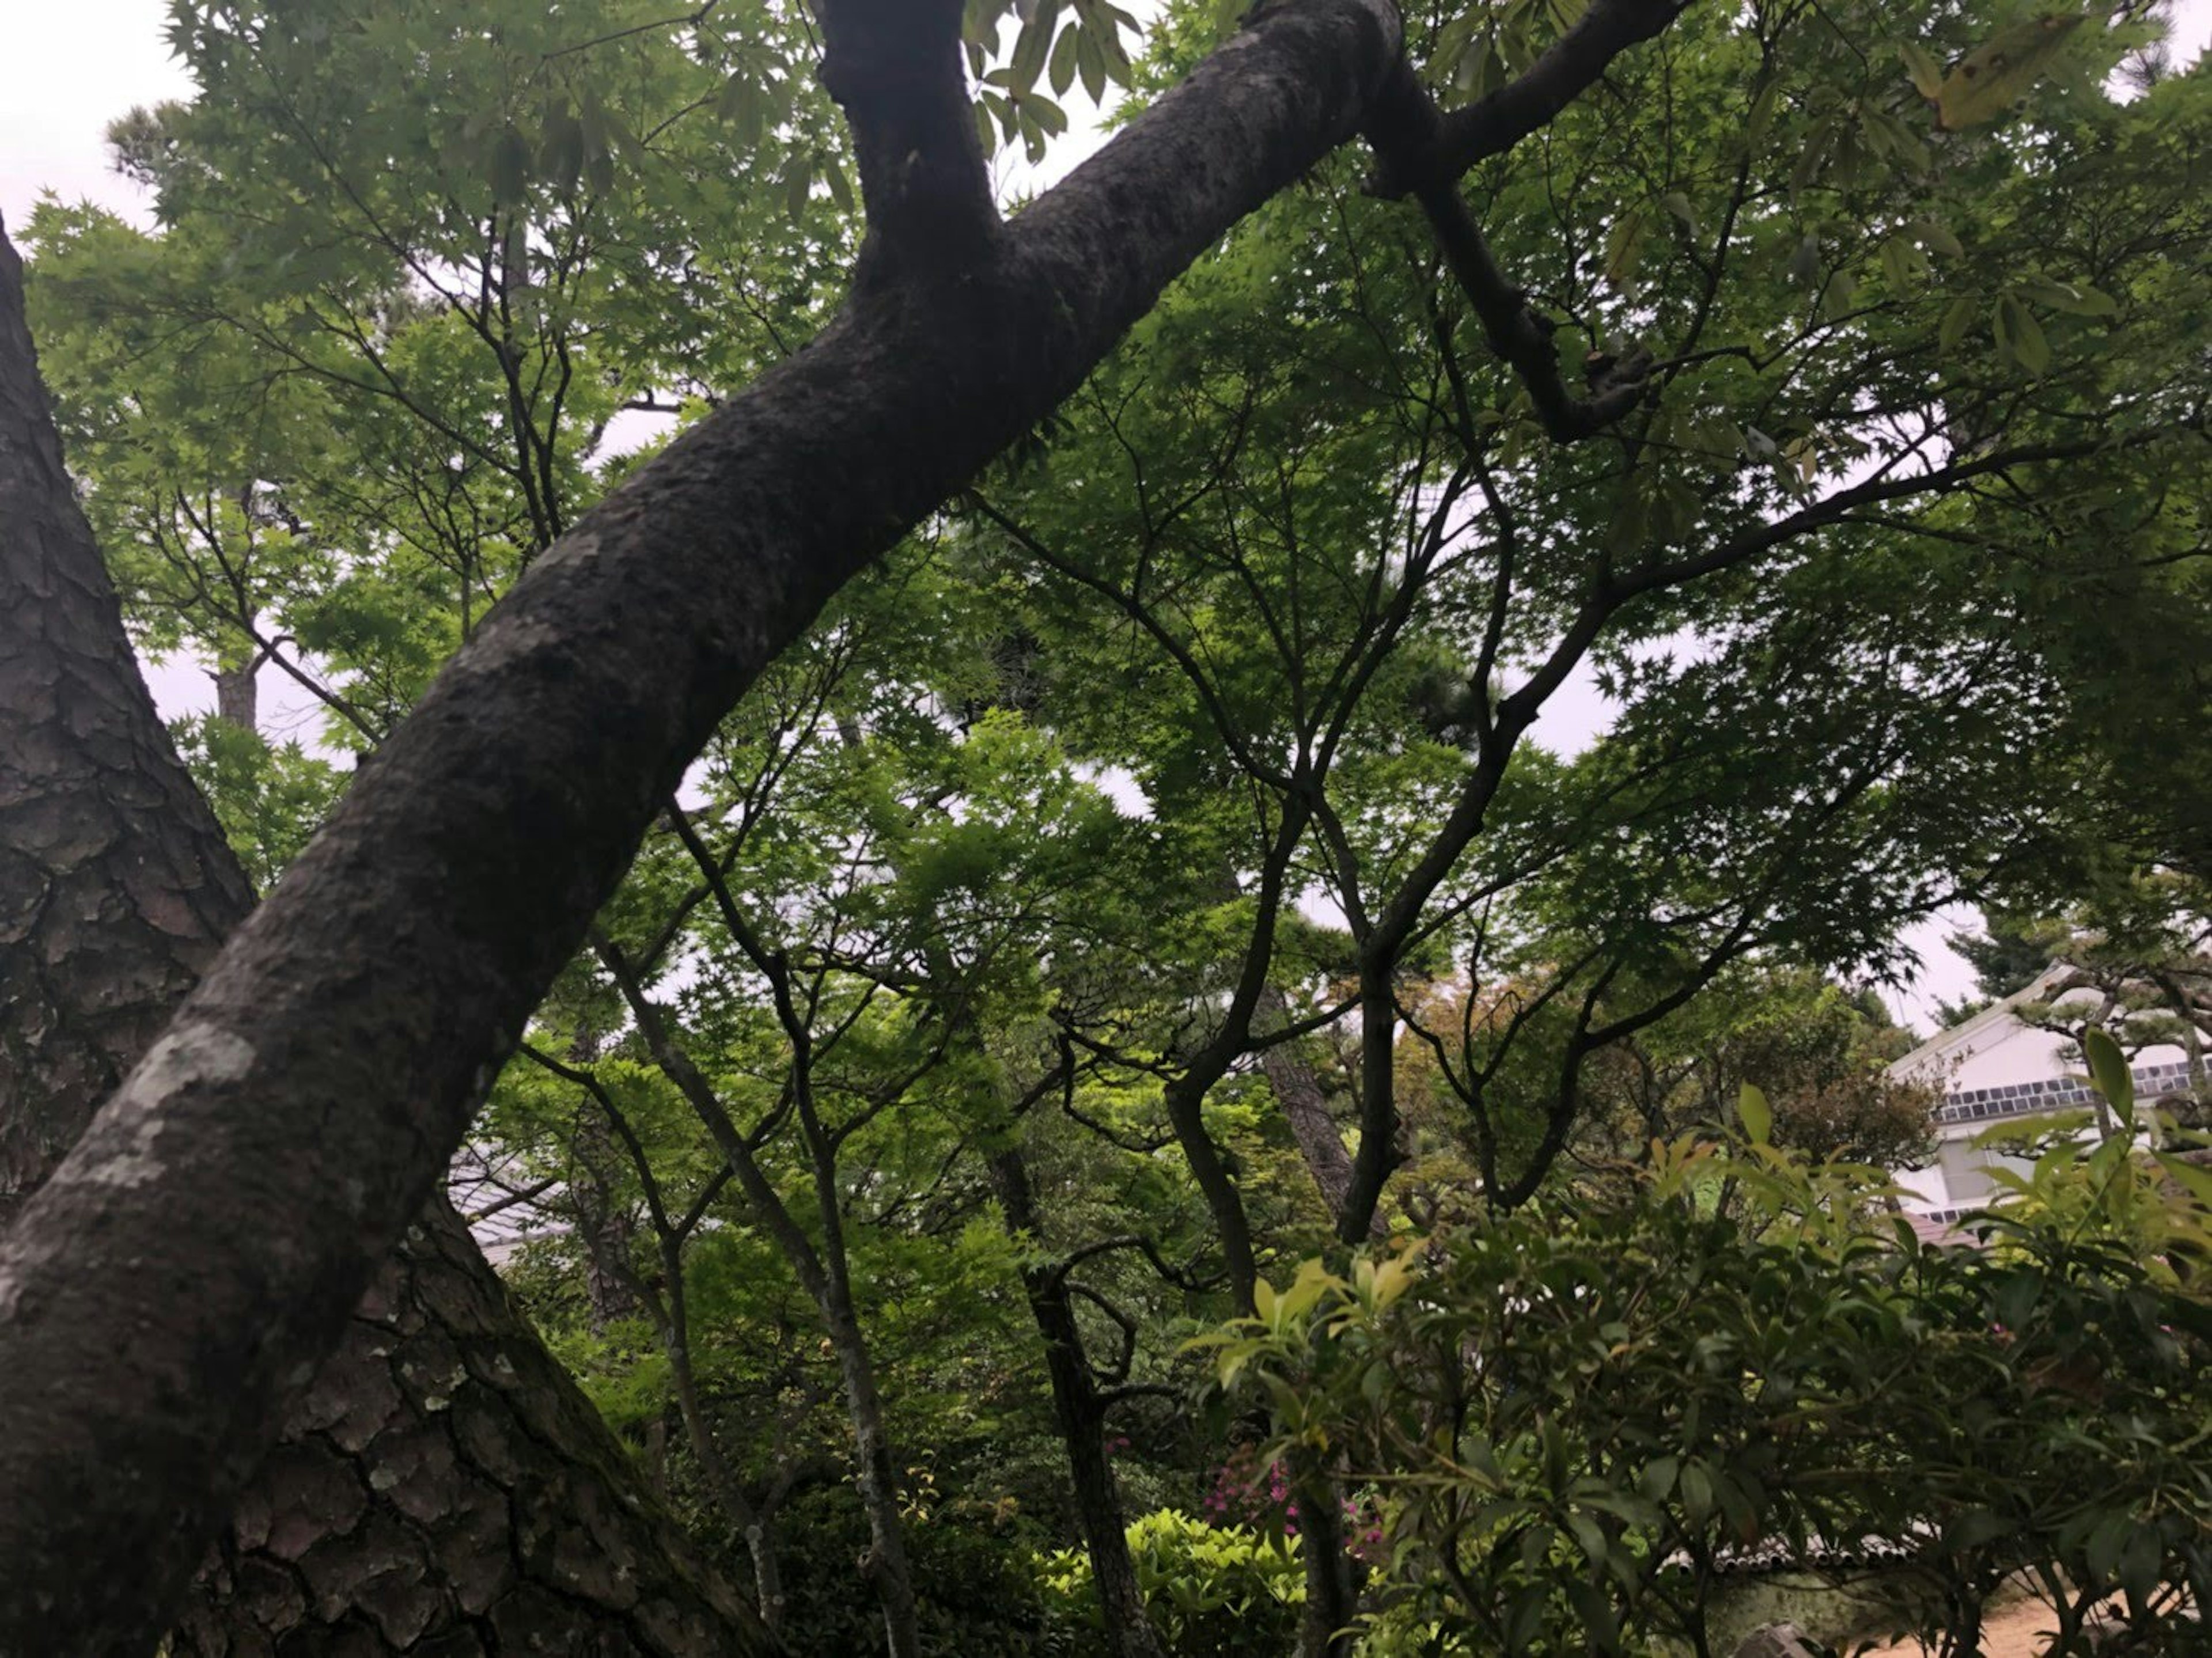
point(1890, 587)
point(1579, 1418)
point(979, 1591)
point(270, 798)
point(1211, 1591)
point(1818, 1055)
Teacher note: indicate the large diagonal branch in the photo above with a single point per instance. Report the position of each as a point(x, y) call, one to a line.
point(166, 1296)
point(895, 66)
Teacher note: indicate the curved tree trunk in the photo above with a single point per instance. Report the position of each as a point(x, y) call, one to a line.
point(444, 1486)
point(324, 1070)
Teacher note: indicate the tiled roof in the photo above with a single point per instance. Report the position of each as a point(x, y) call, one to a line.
point(2054, 1094)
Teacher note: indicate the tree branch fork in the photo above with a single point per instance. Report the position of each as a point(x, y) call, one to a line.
point(1423, 151)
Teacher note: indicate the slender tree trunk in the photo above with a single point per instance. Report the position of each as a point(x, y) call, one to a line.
point(754, 1521)
point(238, 696)
point(1082, 1413)
point(607, 1227)
point(1378, 1102)
point(821, 1271)
point(1332, 1601)
point(768, 1568)
point(1313, 1125)
point(324, 1070)
point(443, 1486)
point(887, 1565)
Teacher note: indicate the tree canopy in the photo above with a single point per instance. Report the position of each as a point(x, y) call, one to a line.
point(941, 787)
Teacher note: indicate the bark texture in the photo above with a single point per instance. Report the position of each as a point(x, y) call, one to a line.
point(327, 1067)
point(444, 1487)
point(116, 885)
point(445, 1490)
point(1081, 1408)
point(1305, 1107)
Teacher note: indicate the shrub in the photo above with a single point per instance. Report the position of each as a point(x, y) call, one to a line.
point(1584, 1416)
point(1210, 1591)
point(977, 1592)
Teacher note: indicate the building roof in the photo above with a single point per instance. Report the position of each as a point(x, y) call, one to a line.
point(1956, 1041)
point(2051, 1079)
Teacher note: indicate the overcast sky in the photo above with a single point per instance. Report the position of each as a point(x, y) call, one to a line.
point(73, 67)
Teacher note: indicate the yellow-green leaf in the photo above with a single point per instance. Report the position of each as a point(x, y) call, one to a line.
point(2080, 301)
point(1927, 74)
point(1988, 80)
point(1937, 239)
point(1957, 318)
point(1762, 115)
point(1757, 1116)
point(2020, 334)
point(1623, 249)
point(1391, 1280)
point(2108, 1070)
point(510, 166)
point(2196, 1182)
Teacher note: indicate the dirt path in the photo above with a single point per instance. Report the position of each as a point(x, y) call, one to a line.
point(2021, 1630)
point(2018, 1629)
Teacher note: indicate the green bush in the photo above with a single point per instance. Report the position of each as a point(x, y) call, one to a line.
point(977, 1587)
point(1587, 1418)
point(1210, 1591)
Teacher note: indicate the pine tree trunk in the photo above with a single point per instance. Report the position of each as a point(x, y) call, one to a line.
point(238, 696)
point(1298, 1090)
point(444, 1487)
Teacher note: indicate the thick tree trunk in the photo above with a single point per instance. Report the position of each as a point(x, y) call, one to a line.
point(446, 1489)
point(323, 1072)
point(116, 885)
point(1082, 1414)
point(443, 1486)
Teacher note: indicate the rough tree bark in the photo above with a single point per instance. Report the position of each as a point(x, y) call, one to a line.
point(1081, 1408)
point(115, 886)
point(1305, 1107)
point(238, 696)
point(324, 1070)
point(443, 1486)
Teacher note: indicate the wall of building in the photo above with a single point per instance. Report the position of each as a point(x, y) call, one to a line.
point(1994, 1067)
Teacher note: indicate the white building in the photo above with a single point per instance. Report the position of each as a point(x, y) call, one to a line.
point(1993, 1066)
